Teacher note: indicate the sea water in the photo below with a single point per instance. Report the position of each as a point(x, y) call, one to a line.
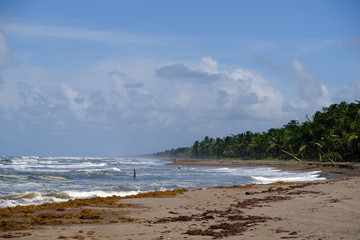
point(35, 180)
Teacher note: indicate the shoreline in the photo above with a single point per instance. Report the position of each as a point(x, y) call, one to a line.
point(321, 209)
point(329, 169)
point(326, 209)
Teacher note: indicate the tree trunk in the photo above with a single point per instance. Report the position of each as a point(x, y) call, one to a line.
point(292, 156)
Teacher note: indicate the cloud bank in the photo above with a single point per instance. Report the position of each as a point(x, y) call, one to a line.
point(186, 95)
point(177, 99)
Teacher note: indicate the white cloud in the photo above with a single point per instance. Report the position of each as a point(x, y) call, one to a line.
point(130, 95)
point(97, 105)
point(207, 64)
point(310, 90)
point(181, 98)
point(240, 94)
point(180, 71)
point(75, 102)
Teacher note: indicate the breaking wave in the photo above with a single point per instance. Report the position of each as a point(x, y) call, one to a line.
point(35, 180)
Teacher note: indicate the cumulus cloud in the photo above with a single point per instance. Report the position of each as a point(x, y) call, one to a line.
point(120, 79)
point(131, 97)
point(180, 99)
point(308, 87)
point(174, 98)
point(70, 105)
point(97, 105)
point(314, 93)
point(209, 65)
point(180, 71)
point(222, 97)
point(240, 94)
point(37, 109)
point(32, 95)
point(75, 102)
point(124, 85)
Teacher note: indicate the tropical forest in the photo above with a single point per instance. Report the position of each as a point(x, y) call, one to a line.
point(332, 134)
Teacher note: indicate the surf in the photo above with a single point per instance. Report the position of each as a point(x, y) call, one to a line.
point(35, 180)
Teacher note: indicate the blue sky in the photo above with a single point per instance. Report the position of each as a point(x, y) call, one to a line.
point(114, 78)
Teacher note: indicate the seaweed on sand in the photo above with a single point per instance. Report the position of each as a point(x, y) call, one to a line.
point(29, 216)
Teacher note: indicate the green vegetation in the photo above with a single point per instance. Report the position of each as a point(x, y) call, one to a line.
point(333, 134)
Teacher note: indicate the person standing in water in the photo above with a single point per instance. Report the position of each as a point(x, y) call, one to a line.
point(134, 173)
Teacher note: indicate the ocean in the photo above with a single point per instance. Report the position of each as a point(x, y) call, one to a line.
point(36, 180)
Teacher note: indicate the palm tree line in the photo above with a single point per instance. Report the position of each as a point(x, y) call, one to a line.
point(333, 134)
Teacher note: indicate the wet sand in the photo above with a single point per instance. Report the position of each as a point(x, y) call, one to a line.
point(328, 209)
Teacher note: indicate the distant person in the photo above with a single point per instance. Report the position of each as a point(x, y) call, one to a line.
point(179, 167)
point(134, 173)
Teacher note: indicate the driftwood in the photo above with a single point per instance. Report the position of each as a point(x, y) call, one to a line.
point(328, 157)
point(298, 159)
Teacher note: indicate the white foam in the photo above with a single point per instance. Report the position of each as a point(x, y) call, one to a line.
point(31, 195)
point(78, 165)
point(289, 177)
point(38, 166)
point(28, 198)
point(8, 203)
point(55, 179)
point(99, 193)
point(115, 169)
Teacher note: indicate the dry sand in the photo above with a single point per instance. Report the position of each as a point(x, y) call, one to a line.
point(327, 209)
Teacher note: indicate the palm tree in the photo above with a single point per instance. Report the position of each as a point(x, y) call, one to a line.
point(257, 145)
point(195, 149)
point(276, 141)
point(218, 147)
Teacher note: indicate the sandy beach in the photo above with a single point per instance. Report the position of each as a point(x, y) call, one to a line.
point(327, 209)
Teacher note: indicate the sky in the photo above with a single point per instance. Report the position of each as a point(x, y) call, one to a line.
point(120, 78)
